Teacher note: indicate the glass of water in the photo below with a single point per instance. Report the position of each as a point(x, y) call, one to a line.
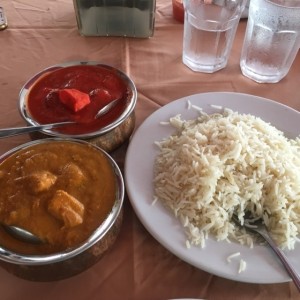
point(272, 39)
point(209, 31)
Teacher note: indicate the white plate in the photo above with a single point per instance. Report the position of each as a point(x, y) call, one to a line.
point(262, 265)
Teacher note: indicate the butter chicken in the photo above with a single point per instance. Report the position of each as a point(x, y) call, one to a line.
point(59, 190)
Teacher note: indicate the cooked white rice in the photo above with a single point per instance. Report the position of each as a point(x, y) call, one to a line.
point(242, 266)
point(229, 162)
point(231, 256)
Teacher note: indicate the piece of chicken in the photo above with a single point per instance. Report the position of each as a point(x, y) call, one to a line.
point(40, 181)
point(66, 208)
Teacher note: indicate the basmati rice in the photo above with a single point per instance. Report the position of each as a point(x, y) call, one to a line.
point(229, 162)
point(231, 256)
point(242, 266)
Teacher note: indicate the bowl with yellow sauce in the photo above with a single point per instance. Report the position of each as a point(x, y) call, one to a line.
point(75, 91)
point(67, 192)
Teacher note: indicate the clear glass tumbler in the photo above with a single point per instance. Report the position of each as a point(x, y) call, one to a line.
point(272, 39)
point(209, 31)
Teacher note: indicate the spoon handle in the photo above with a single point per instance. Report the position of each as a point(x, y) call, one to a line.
point(292, 272)
point(20, 130)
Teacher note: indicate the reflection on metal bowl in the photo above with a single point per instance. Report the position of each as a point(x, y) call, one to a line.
point(109, 141)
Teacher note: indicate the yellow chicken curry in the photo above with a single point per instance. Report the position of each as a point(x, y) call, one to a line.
point(61, 191)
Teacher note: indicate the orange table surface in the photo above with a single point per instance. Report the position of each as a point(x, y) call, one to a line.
point(44, 33)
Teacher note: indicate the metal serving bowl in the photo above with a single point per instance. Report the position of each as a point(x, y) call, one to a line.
point(108, 137)
point(70, 262)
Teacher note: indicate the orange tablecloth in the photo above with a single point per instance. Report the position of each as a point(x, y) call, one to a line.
point(43, 33)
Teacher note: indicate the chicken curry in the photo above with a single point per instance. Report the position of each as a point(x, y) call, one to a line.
point(53, 97)
point(61, 191)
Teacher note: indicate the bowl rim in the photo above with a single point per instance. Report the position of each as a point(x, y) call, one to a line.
point(10, 256)
point(24, 111)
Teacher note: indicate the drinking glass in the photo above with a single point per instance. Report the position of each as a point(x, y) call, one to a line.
point(272, 39)
point(209, 31)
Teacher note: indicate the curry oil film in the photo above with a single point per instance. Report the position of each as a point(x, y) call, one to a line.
point(3, 20)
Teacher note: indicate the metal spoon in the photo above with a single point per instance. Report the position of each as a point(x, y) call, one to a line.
point(22, 234)
point(106, 108)
point(257, 226)
point(21, 130)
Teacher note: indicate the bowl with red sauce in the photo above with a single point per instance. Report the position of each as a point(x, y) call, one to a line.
point(76, 91)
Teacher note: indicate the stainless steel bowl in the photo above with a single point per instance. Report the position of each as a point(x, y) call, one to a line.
point(108, 137)
point(72, 261)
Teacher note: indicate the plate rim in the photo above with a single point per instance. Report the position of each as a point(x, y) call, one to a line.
point(262, 101)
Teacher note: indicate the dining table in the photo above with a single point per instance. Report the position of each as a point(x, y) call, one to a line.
point(138, 267)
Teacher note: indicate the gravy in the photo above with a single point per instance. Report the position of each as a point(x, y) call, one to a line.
point(60, 191)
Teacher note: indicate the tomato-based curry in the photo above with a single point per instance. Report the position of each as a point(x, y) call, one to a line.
point(102, 85)
point(60, 191)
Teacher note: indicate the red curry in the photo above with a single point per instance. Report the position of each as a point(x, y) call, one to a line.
point(101, 84)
